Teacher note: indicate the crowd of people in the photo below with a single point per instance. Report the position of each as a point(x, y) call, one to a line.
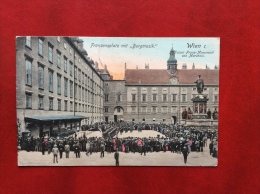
point(187, 114)
point(173, 138)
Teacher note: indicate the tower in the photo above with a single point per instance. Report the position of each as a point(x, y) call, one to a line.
point(172, 62)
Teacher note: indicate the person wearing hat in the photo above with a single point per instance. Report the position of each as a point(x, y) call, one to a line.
point(116, 156)
point(55, 151)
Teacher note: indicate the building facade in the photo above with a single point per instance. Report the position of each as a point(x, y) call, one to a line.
point(158, 95)
point(58, 87)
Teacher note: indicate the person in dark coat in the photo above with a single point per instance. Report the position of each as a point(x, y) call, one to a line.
point(209, 114)
point(116, 156)
point(61, 149)
point(77, 150)
point(185, 154)
point(43, 148)
point(201, 145)
point(211, 148)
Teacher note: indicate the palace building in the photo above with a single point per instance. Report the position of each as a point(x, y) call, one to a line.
point(158, 95)
point(58, 86)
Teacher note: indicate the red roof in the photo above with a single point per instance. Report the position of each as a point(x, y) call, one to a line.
point(161, 76)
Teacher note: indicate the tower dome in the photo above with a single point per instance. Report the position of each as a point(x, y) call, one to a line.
point(172, 62)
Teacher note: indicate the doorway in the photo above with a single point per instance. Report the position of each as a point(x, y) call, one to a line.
point(115, 118)
point(174, 118)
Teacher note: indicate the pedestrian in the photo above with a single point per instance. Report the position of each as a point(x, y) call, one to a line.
point(211, 148)
point(87, 148)
point(55, 151)
point(67, 150)
point(43, 148)
point(61, 149)
point(77, 150)
point(49, 147)
point(102, 149)
point(185, 154)
point(116, 156)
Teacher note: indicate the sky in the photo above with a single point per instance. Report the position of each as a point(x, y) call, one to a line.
point(136, 52)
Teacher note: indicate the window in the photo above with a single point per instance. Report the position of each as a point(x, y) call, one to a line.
point(194, 89)
point(75, 70)
point(58, 59)
point(50, 81)
point(28, 41)
point(50, 103)
point(41, 77)
point(215, 98)
point(59, 104)
point(28, 72)
point(164, 109)
point(83, 77)
point(75, 91)
point(174, 109)
point(143, 97)
point(79, 93)
point(154, 108)
point(41, 105)
point(65, 45)
point(71, 106)
point(174, 97)
point(50, 51)
point(70, 51)
point(28, 101)
point(133, 108)
point(65, 87)
point(65, 105)
point(79, 107)
point(183, 97)
point(106, 84)
point(164, 97)
point(106, 97)
point(154, 97)
point(79, 75)
point(106, 109)
point(40, 47)
point(118, 97)
point(205, 88)
point(71, 69)
point(118, 109)
point(133, 97)
point(58, 39)
point(143, 109)
point(76, 107)
point(59, 84)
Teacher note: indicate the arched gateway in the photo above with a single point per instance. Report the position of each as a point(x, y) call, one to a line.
point(118, 114)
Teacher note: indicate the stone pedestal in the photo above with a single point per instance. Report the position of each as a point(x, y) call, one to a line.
point(199, 107)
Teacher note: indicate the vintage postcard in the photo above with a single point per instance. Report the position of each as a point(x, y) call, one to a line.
point(97, 101)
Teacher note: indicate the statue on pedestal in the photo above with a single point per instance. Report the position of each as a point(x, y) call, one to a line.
point(200, 84)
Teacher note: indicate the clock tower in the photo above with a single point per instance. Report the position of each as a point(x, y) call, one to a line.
point(172, 62)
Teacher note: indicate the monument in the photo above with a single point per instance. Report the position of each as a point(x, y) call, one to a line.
point(199, 116)
point(200, 101)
